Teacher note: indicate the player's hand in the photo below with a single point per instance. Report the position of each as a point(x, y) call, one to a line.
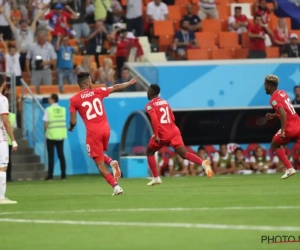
point(156, 139)
point(282, 134)
point(270, 116)
point(14, 146)
point(70, 129)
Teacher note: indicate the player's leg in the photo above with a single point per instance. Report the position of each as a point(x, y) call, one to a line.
point(178, 145)
point(3, 168)
point(276, 144)
point(153, 146)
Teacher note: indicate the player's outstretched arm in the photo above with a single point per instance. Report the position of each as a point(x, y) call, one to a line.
point(72, 121)
point(121, 86)
point(270, 116)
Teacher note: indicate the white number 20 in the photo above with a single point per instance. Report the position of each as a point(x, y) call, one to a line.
point(290, 105)
point(97, 105)
point(165, 118)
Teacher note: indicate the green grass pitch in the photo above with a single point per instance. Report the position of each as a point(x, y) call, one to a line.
point(216, 214)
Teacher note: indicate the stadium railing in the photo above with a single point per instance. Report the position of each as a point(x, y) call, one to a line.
point(32, 112)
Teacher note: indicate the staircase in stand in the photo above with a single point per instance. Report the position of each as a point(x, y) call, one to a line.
point(26, 165)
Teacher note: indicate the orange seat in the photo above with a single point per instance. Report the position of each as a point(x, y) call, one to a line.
point(245, 1)
point(179, 2)
point(19, 90)
point(123, 2)
point(174, 13)
point(102, 57)
point(241, 53)
point(224, 11)
point(221, 54)
point(73, 42)
point(49, 89)
point(69, 89)
point(210, 25)
point(198, 54)
point(229, 40)
point(245, 40)
point(206, 39)
point(272, 52)
point(77, 60)
point(274, 22)
point(166, 40)
point(163, 28)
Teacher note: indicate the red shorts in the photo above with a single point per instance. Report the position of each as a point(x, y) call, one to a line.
point(96, 144)
point(175, 142)
point(290, 135)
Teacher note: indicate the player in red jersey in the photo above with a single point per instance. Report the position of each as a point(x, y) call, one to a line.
point(290, 121)
point(166, 133)
point(89, 104)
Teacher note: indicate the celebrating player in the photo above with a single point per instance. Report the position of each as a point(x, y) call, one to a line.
point(5, 126)
point(89, 104)
point(166, 133)
point(290, 121)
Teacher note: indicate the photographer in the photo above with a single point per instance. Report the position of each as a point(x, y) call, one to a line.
point(42, 56)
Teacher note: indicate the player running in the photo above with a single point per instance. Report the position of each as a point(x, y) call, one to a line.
point(166, 133)
point(290, 121)
point(89, 104)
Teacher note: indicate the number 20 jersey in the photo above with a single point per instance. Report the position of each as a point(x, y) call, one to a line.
point(281, 99)
point(89, 104)
point(165, 118)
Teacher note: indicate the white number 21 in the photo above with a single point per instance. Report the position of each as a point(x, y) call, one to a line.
point(165, 118)
point(97, 105)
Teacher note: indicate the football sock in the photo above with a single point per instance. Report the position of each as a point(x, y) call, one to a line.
point(281, 155)
point(107, 160)
point(193, 158)
point(2, 184)
point(152, 165)
point(111, 180)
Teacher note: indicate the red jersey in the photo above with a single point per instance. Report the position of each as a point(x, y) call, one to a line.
point(281, 36)
point(264, 13)
point(59, 23)
point(257, 43)
point(89, 104)
point(162, 118)
point(281, 99)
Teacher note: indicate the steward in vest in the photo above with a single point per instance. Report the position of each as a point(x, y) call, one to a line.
point(55, 132)
point(12, 120)
point(223, 162)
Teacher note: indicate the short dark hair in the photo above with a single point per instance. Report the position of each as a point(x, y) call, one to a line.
point(82, 77)
point(11, 46)
point(54, 97)
point(296, 87)
point(238, 149)
point(256, 16)
point(155, 88)
point(272, 80)
point(223, 144)
point(201, 148)
point(125, 68)
point(2, 80)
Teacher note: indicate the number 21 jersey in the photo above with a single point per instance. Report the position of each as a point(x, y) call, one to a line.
point(165, 117)
point(89, 104)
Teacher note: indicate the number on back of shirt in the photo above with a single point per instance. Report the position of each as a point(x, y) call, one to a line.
point(165, 118)
point(94, 109)
point(290, 105)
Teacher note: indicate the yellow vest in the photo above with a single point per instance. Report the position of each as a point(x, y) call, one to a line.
point(12, 120)
point(57, 128)
point(100, 11)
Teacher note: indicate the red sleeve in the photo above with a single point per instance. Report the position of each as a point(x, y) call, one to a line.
point(276, 102)
point(250, 28)
point(103, 92)
point(49, 15)
point(150, 110)
point(67, 15)
point(72, 107)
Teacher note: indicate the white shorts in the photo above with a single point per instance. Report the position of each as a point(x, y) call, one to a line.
point(3, 154)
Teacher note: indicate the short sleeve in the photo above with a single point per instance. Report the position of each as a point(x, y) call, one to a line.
point(149, 108)
point(4, 106)
point(246, 160)
point(232, 158)
point(46, 116)
point(231, 20)
point(67, 15)
point(275, 159)
point(252, 159)
point(161, 163)
point(149, 10)
point(171, 162)
point(216, 157)
point(268, 158)
point(49, 15)
point(165, 9)
point(103, 92)
point(275, 103)
point(72, 106)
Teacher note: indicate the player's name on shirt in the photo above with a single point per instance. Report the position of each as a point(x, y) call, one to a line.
point(159, 103)
point(87, 95)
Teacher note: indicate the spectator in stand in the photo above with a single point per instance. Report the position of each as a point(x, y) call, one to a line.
point(242, 163)
point(296, 100)
point(223, 162)
point(96, 41)
point(79, 25)
point(15, 13)
point(23, 31)
point(261, 8)
point(90, 13)
point(36, 5)
point(58, 21)
point(198, 169)
point(184, 39)
point(42, 56)
point(259, 161)
point(134, 17)
point(106, 74)
point(157, 11)
point(12, 61)
point(194, 20)
point(208, 9)
point(257, 35)
point(4, 25)
point(178, 166)
point(281, 34)
point(64, 62)
point(238, 23)
point(86, 66)
point(292, 49)
point(117, 10)
point(23, 4)
point(103, 12)
point(124, 76)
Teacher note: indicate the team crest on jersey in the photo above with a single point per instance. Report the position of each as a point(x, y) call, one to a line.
point(149, 107)
point(274, 103)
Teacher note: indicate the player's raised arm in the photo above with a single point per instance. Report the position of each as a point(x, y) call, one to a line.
point(121, 86)
point(153, 118)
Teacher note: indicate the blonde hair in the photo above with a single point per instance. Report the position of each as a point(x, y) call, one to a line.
point(283, 30)
point(109, 61)
point(272, 79)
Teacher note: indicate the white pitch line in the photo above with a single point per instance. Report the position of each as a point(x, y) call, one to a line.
point(181, 209)
point(155, 224)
